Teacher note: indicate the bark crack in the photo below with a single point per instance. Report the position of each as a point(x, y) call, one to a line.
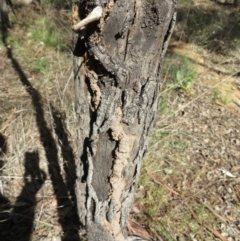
point(130, 20)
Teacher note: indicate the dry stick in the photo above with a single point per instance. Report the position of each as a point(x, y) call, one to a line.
point(65, 87)
point(157, 182)
point(138, 230)
point(214, 232)
point(39, 215)
point(41, 222)
point(7, 122)
point(208, 206)
point(237, 103)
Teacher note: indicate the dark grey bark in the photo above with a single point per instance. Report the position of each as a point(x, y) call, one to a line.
point(117, 69)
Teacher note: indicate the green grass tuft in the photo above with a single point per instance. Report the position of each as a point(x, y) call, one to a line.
point(47, 32)
point(40, 65)
point(219, 96)
point(182, 75)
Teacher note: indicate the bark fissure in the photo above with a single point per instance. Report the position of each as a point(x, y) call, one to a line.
point(119, 76)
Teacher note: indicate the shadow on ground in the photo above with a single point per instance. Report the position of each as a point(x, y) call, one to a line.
point(17, 220)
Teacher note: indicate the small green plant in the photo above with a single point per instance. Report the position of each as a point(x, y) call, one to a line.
point(40, 65)
point(163, 104)
point(218, 96)
point(178, 73)
point(14, 41)
point(183, 75)
point(1, 43)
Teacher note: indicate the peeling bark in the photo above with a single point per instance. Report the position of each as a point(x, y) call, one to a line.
point(117, 69)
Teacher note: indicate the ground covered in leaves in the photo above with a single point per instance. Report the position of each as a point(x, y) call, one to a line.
point(190, 183)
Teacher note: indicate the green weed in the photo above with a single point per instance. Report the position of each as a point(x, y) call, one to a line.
point(183, 75)
point(46, 31)
point(40, 65)
point(15, 42)
point(219, 96)
point(1, 43)
point(180, 74)
point(163, 105)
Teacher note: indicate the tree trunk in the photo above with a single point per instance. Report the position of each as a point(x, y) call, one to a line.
point(117, 72)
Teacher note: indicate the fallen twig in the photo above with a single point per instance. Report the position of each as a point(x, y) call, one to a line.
point(208, 206)
point(7, 122)
point(158, 182)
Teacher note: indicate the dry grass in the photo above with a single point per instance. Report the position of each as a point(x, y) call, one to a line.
point(37, 127)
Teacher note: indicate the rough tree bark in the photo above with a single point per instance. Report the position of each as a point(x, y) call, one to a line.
point(119, 51)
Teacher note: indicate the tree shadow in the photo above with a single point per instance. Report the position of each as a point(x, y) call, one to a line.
point(16, 221)
point(23, 216)
point(3, 145)
point(67, 211)
point(213, 27)
point(18, 225)
point(5, 23)
point(4, 202)
point(66, 150)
